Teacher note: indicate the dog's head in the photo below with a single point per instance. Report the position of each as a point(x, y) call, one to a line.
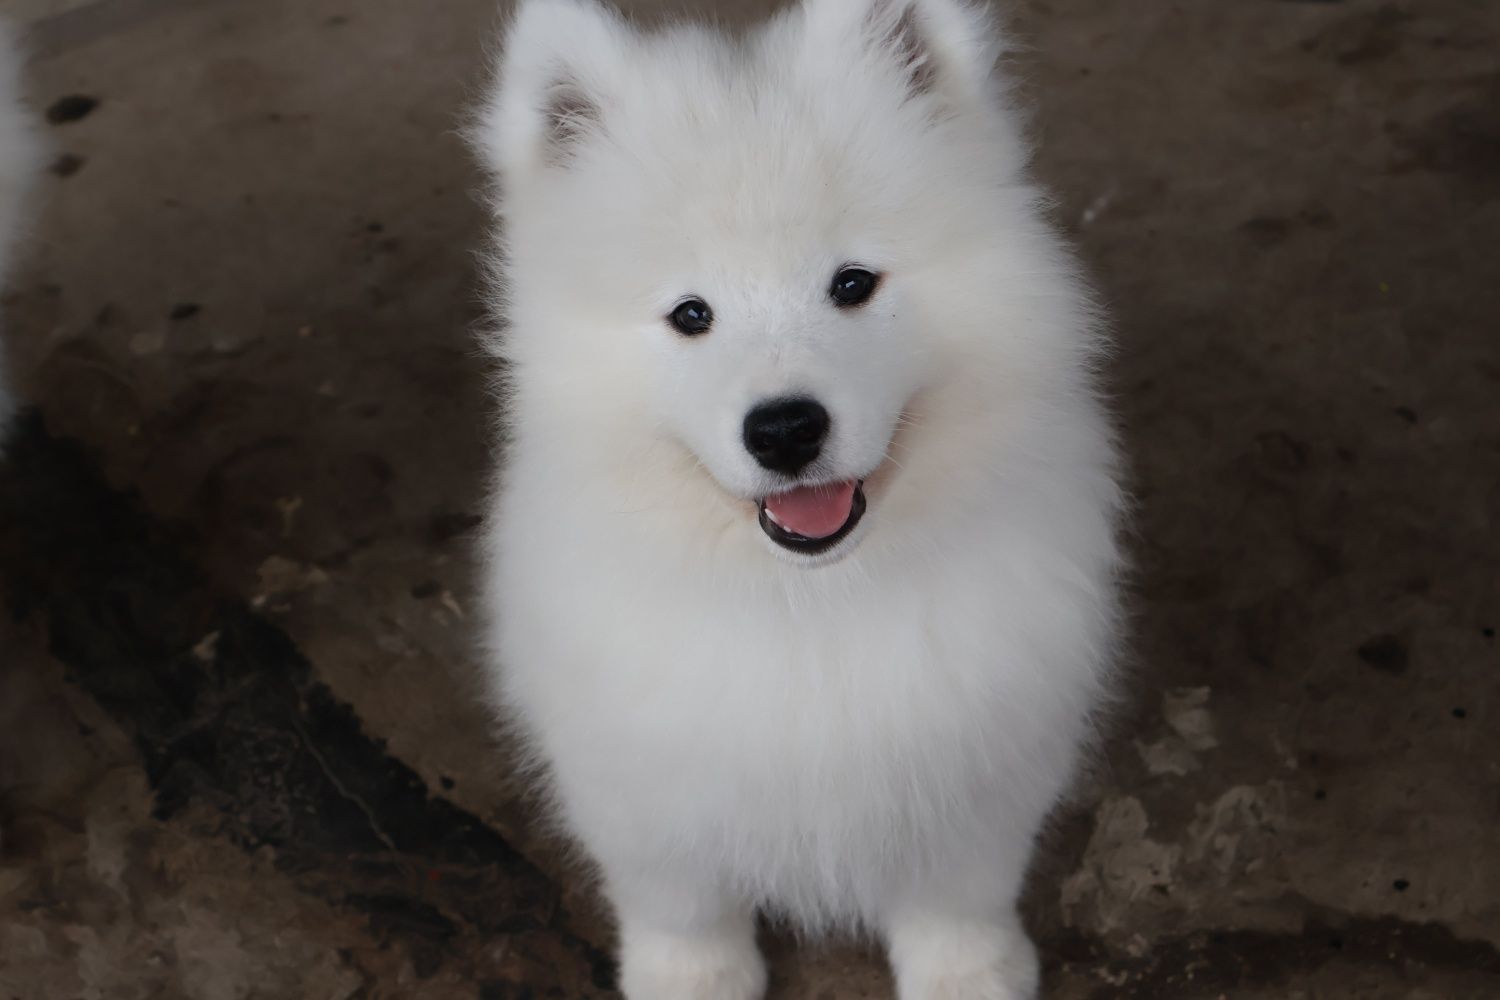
point(763, 251)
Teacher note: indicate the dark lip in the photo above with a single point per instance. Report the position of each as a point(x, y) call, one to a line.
point(803, 545)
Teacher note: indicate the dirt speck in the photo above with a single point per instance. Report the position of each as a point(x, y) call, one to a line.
point(66, 165)
point(1385, 653)
point(1265, 231)
point(71, 108)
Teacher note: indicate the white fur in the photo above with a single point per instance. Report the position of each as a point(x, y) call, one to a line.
point(868, 740)
point(20, 151)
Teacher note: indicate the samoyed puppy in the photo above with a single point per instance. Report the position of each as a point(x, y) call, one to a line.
point(802, 563)
point(19, 155)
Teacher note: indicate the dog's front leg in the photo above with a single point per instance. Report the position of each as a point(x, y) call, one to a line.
point(684, 942)
point(956, 935)
point(940, 956)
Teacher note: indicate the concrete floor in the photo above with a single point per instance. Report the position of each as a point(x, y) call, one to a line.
point(238, 753)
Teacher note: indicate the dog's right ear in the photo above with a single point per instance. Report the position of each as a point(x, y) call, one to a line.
point(944, 50)
point(551, 87)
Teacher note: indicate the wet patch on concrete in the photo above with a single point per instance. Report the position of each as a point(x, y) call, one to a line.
point(226, 713)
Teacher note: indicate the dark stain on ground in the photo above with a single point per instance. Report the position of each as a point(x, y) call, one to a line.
point(1386, 653)
point(1281, 453)
point(184, 310)
point(66, 165)
point(445, 526)
point(504, 991)
point(227, 713)
point(1463, 142)
point(1362, 38)
point(1266, 231)
point(71, 108)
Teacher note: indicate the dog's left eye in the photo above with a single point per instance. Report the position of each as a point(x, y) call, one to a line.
point(692, 317)
point(853, 286)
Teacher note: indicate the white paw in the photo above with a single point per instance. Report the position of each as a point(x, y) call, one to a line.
point(669, 967)
point(984, 984)
point(939, 960)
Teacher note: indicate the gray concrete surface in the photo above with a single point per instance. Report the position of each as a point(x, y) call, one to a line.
point(251, 301)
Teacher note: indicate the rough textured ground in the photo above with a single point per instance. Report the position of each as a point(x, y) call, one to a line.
point(238, 758)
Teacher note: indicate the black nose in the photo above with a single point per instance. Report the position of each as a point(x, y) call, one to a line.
point(785, 435)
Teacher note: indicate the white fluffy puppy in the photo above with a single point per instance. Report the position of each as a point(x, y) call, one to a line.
point(19, 154)
point(802, 565)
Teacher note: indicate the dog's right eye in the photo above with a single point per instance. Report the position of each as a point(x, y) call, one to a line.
point(692, 317)
point(852, 287)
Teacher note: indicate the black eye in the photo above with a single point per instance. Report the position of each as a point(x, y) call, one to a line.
point(853, 286)
point(692, 317)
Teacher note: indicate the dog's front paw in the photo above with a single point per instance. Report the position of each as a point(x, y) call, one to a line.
point(655, 966)
point(935, 959)
point(980, 984)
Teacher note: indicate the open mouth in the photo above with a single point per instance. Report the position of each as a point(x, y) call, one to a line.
point(813, 519)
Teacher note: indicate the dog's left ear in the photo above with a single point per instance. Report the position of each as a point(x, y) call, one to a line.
point(944, 50)
point(560, 65)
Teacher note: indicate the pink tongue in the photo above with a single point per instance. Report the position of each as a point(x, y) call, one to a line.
point(813, 511)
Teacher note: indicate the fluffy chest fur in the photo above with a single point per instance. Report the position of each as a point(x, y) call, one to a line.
point(812, 739)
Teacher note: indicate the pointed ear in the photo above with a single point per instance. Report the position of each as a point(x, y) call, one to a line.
point(943, 49)
point(555, 74)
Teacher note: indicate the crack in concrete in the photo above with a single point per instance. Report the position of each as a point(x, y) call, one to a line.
point(343, 790)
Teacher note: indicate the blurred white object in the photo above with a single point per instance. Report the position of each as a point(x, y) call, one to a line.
point(20, 155)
